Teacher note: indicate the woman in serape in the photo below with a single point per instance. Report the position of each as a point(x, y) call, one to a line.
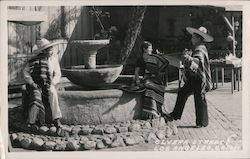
point(42, 73)
point(153, 67)
point(197, 77)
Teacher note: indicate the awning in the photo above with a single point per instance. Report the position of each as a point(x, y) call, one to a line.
point(230, 7)
point(26, 17)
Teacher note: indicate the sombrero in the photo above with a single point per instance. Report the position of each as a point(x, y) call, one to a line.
point(43, 44)
point(202, 31)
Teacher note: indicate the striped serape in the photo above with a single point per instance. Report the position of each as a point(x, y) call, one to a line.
point(154, 83)
point(38, 98)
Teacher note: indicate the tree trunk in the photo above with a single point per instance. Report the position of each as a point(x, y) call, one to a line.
point(134, 27)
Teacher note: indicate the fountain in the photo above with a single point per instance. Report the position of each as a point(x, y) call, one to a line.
point(91, 96)
point(90, 74)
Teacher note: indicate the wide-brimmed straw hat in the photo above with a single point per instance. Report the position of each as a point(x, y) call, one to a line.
point(202, 31)
point(43, 44)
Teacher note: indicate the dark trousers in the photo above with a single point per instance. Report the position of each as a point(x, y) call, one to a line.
point(192, 86)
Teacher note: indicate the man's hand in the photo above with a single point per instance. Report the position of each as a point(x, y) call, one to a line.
point(187, 58)
point(47, 85)
point(34, 85)
point(194, 66)
point(187, 54)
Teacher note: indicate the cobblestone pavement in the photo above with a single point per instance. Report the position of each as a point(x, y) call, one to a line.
point(224, 131)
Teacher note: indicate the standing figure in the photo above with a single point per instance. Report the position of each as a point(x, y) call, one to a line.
point(42, 73)
point(197, 77)
point(153, 67)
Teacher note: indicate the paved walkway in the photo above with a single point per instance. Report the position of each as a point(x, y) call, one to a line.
point(224, 129)
point(224, 110)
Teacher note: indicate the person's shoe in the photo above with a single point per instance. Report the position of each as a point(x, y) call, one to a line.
point(32, 128)
point(57, 123)
point(29, 125)
point(200, 126)
point(168, 118)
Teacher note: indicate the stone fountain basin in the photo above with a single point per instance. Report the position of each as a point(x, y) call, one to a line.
point(100, 76)
point(90, 45)
point(80, 106)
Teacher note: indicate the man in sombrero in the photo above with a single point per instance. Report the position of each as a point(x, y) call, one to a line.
point(42, 73)
point(197, 77)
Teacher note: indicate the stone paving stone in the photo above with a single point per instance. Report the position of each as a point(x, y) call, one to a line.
point(44, 138)
point(98, 130)
point(156, 123)
point(110, 130)
point(100, 145)
point(36, 143)
point(107, 141)
point(130, 141)
point(85, 131)
point(43, 129)
point(73, 145)
point(92, 138)
point(118, 141)
point(139, 139)
point(169, 132)
point(152, 138)
point(125, 124)
point(67, 127)
point(84, 138)
point(49, 145)
point(52, 130)
point(13, 136)
point(76, 130)
point(146, 125)
point(63, 133)
point(122, 129)
point(161, 134)
point(25, 143)
point(60, 146)
point(134, 127)
point(90, 145)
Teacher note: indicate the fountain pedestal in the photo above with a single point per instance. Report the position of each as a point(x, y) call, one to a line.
point(90, 60)
point(89, 48)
